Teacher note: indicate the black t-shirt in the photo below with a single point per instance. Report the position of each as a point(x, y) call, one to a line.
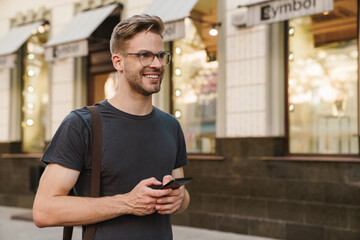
point(134, 148)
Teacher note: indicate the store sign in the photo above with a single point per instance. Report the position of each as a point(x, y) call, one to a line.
point(174, 30)
point(7, 61)
point(281, 10)
point(74, 49)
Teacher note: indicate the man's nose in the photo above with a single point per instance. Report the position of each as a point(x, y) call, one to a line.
point(156, 63)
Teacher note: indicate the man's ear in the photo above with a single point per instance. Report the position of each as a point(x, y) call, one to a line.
point(118, 61)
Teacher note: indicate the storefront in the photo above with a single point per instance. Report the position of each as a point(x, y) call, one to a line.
point(291, 148)
point(191, 29)
point(320, 66)
point(22, 57)
point(87, 37)
point(269, 106)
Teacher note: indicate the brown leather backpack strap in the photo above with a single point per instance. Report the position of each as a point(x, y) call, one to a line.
point(96, 152)
point(67, 233)
point(68, 230)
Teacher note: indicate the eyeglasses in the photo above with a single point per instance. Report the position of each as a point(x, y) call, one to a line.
point(146, 58)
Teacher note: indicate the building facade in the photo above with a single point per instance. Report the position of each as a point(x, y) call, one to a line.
point(269, 103)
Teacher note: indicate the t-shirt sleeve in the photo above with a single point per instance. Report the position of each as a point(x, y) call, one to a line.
point(181, 158)
point(68, 147)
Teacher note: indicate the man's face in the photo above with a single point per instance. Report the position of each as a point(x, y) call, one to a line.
point(144, 80)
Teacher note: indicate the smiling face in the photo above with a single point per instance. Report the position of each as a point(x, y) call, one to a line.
point(144, 80)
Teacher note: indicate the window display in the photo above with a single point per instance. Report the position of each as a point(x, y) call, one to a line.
point(35, 91)
point(194, 90)
point(323, 82)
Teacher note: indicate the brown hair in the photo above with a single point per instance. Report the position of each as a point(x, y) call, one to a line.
point(127, 28)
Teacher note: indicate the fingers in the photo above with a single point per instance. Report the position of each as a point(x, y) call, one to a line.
point(168, 208)
point(171, 203)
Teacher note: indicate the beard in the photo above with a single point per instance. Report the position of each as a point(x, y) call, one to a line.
point(135, 80)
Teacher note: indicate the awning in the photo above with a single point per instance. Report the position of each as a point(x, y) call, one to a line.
point(172, 12)
point(265, 11)
point(253, 2)
point(13, 40)
point(72, 40)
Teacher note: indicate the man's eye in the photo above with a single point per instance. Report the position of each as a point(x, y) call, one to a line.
point(161, 55)
point(145, 55)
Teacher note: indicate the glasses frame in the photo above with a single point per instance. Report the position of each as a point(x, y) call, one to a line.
point(153, 56)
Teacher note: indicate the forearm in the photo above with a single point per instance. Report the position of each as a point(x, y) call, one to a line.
point(72, 211)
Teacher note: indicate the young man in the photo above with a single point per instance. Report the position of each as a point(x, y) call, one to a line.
point(141, 145)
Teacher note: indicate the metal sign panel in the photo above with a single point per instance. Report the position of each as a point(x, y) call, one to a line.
point(280, 10)
point(174, 30)
point(74, 49)
point(7, 61)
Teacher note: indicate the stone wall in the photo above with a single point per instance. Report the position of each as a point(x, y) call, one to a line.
point(242, 193)
point(18, 177)
point(278, 199)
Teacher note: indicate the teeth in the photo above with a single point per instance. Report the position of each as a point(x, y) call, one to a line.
point(152, 76)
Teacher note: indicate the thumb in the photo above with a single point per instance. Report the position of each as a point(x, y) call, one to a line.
point(151, 181)
point(167, 179)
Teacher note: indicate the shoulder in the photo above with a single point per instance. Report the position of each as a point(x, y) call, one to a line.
point(169, 121)
point(78, 117)
point(166, 116)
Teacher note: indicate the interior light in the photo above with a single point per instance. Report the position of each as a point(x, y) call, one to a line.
point(178, 114)
point(178, 50)
point(213, 31)
point(31, 72)
point(291, 107)
point(41, 29)
point(30, 106)
point(31, 56)
point(31, 89)
point(291, 31)
point(326, 13)
point(177, 92)
point(30, 122)
point(177, 71)
point(291, 56)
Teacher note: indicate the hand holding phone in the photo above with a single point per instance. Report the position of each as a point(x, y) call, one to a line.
point(176, 183)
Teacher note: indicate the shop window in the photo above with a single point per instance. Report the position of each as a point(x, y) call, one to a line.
point(194, 85)
point(105, 86)
point(323, 81)
point(103, 79)
point(35, 91)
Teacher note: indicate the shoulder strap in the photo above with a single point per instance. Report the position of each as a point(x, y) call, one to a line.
point(96, 152)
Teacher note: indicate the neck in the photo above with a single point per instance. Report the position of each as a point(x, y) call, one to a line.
point(131, 102)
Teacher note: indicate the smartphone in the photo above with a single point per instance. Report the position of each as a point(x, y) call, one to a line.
point(176, 183)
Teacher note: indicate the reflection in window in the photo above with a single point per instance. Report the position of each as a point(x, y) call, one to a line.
point(322, 82)
point(194, 90)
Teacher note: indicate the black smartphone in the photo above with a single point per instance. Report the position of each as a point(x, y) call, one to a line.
point(176, 183)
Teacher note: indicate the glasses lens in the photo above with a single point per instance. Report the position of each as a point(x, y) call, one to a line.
point(164, 58)
point(146, 58)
